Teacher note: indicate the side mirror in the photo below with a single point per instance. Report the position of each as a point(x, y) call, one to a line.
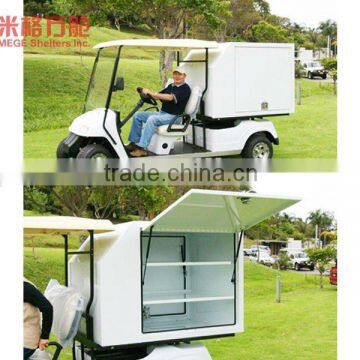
point(119, 84)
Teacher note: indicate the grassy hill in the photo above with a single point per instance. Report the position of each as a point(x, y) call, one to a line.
point(95, 35)
point(55, 87)
point(302, 326)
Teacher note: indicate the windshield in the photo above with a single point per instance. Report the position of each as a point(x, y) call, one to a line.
point(100, 79)
point(314, 64)
point(301, 255)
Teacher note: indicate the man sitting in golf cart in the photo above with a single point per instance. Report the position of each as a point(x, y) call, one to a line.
point(174, 99)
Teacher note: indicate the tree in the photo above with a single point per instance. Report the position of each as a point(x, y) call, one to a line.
point(328, 28)
point(167, 19)
point(321, 258)
point(99, 202)
point(323, 219)
point(38, 8)
point(170, 19)
point(330, 64)
point(147, 200)
point(241, 17)
point(266, 32)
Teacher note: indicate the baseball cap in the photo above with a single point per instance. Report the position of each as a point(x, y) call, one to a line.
point(179, 70)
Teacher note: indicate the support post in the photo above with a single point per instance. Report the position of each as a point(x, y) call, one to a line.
point(91, 253)
point(278, 289)
point(66, 240)
point(147, 254)
point(298, 93)
point(233, 278)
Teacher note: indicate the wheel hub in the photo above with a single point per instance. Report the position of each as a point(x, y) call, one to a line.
point(261, 150)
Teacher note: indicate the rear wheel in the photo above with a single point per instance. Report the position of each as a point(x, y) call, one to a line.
point(297, 267)
point(312, 267)
point(258, 147)
point(94, 151)
point(310, 75)
point(324, 76)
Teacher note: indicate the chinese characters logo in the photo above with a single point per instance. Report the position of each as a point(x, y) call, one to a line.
point(55, 31)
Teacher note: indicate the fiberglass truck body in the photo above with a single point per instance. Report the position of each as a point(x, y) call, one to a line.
point(153, 287)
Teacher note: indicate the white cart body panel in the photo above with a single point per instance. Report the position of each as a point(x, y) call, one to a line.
point(170, 352)
point(231, 138)
point(245, 79)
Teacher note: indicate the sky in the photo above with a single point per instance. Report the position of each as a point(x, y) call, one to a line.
point(315, 191)
point(306, 12)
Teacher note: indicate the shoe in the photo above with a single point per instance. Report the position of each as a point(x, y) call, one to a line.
point(139, 152)
point(130, 147)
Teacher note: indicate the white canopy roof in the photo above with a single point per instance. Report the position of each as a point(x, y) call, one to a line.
point(62, 225)
point(160, 44)
point(218, 211)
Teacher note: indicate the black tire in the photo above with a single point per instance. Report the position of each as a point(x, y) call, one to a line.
point(254, 144)
point(297, 267)
point(70, 146)
point(62, 150)
point(311, 267)
point(324, 76)
point(92, 151)
point(310, 75)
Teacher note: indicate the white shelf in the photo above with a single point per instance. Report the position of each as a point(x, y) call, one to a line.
point(190, 263)
point(187, 299)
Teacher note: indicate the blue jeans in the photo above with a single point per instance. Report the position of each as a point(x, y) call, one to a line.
point(144, 126)
point(28, 353)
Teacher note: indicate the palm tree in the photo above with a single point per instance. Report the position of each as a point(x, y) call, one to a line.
point(328, 28)
point(323, 219)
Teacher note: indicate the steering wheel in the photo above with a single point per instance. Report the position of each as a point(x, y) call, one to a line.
point(146, 97)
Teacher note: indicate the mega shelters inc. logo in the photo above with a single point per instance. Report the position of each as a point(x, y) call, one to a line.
point(53, 32)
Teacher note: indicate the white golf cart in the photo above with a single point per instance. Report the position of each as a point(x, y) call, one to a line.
point(234, 86)
point(152, 287)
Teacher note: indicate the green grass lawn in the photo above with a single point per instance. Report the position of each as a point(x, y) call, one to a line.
point(303, 326)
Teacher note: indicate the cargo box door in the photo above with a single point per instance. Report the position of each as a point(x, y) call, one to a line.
point(264, 80)
point(217, 211)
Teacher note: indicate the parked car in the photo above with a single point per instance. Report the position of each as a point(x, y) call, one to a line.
point(314, 68)
point(333, 275)
point(263, 258)
point(263, 248)
point(248, 252)
point(300, 260)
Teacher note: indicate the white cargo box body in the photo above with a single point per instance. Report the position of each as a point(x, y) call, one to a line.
point(183, 284)
point(245, 79)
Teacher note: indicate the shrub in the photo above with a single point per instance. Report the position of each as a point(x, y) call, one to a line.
point(283, 261)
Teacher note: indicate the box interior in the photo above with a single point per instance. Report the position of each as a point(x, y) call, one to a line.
point(188, 281)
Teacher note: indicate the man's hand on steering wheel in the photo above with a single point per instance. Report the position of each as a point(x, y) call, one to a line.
point(146, 97)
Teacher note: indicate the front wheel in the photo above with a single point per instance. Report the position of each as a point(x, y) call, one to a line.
point(310, 75)
point(258, 147)
point(94, 151)
point(324, 76)
point(297, 267)
point(62, 151)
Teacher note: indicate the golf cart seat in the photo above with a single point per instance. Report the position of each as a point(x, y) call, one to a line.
point(191, 109)
point(166, 135)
